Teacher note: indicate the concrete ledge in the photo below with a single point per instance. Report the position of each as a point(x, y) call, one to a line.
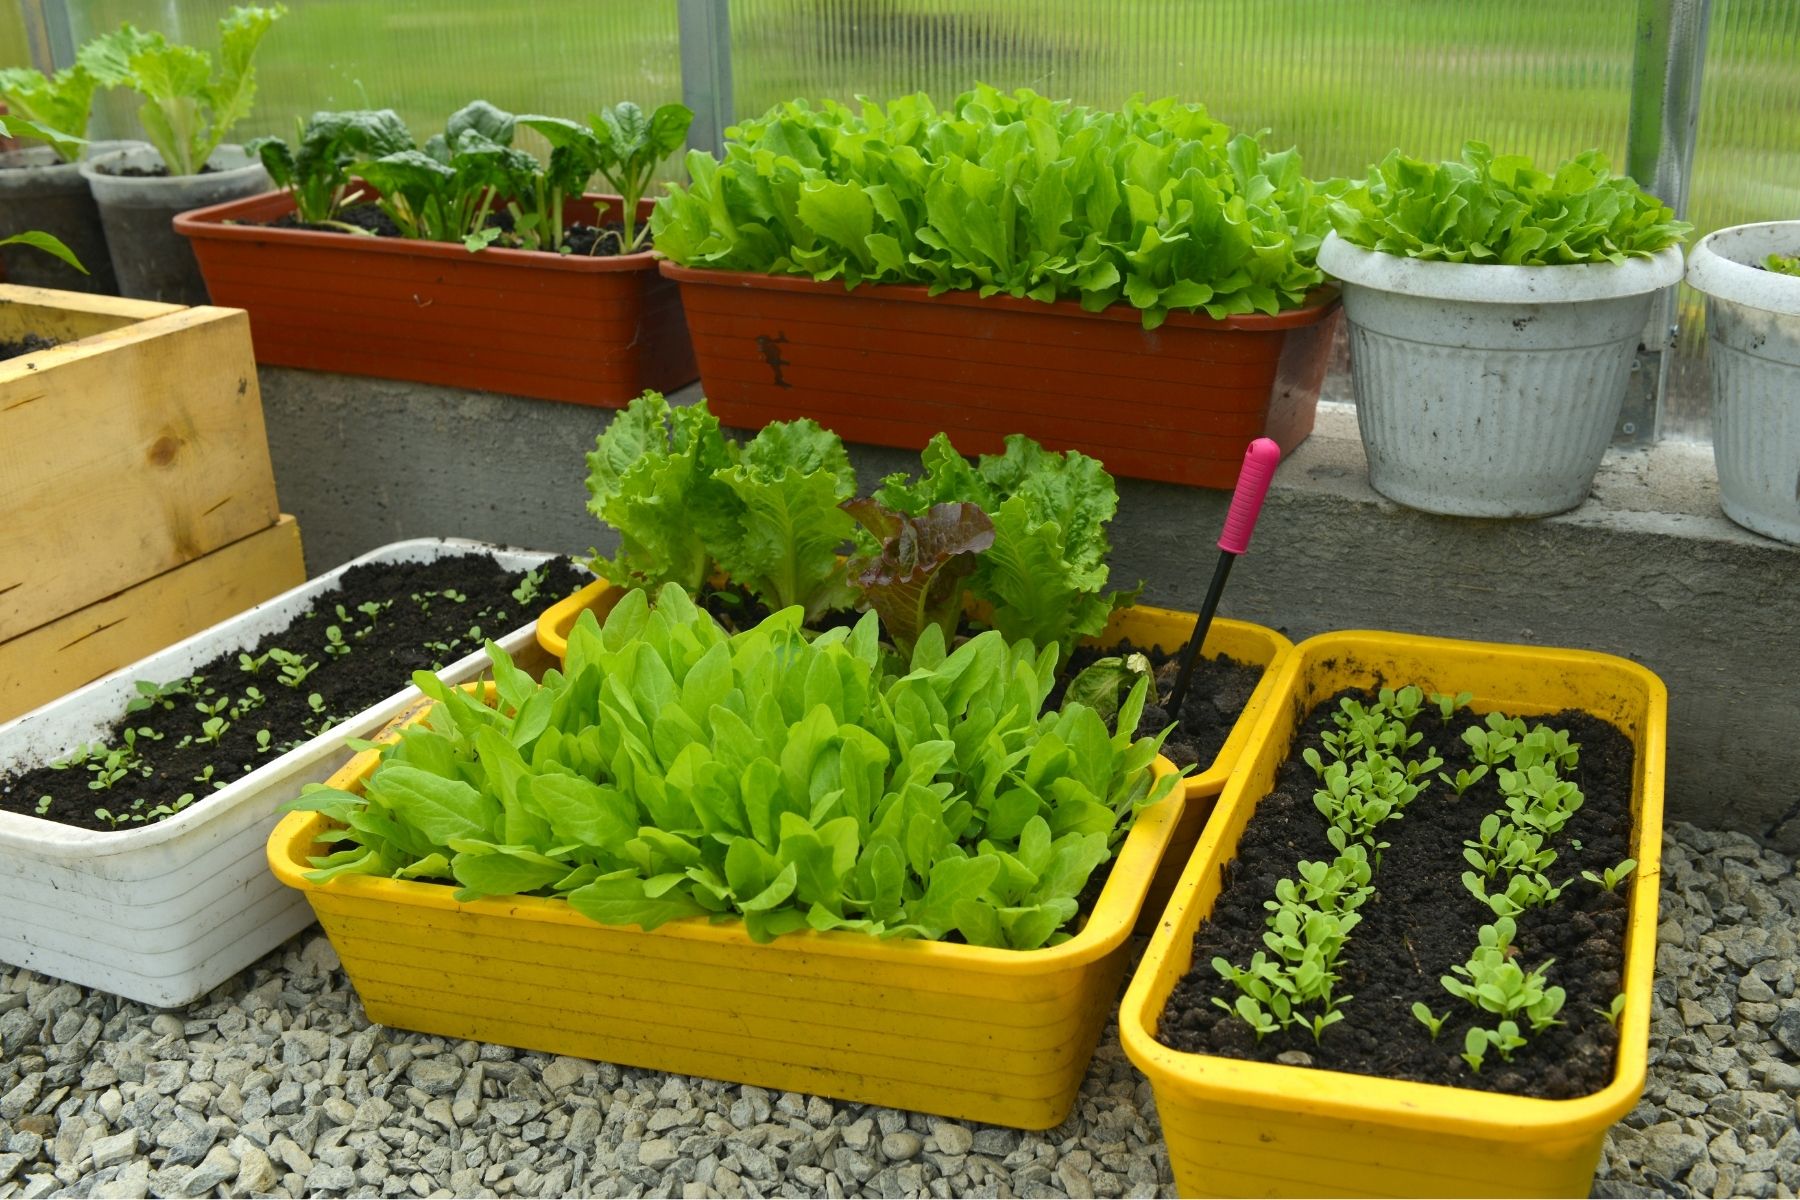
point(1648, 568)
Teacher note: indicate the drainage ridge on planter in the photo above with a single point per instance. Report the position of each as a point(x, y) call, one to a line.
point(1753, 355)
point(1235, 1127)
point(891, 364)
point(568, 327)
point(964, 1031)
point(151, 260)
point(1144, 625)
point(164, 912)
point(1490, 391)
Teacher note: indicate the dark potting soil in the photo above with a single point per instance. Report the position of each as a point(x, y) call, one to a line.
point(1216, 695)
point(580, 239)
point(422, 627)
point(31, 343)
point(157, 172)
point(1421, 921)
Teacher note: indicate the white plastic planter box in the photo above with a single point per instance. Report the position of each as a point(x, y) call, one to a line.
point(164, 913)
point(1490, 391)
point(1753, 352)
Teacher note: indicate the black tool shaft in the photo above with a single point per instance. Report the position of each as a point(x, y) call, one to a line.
point(1191, 653)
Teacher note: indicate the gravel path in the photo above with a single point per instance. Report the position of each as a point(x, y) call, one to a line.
point(278, 1085)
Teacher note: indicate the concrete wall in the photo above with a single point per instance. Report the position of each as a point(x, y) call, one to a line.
point(1648, 568)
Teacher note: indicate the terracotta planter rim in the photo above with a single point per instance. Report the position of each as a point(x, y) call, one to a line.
point(221, 221)
point(1320, 301)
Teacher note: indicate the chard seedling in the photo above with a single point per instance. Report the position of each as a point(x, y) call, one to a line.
point(262, 741)
point(1488, 748)
point(1612, 877)
point(294, 667)
point(212, 729)
point(1447, 704)
point(1252, 1014)
point(454, 596)
point(151, 695)
point(1462, 781)
point(1427, 1018)
point(334, 642)
point(43, 804)
point(1614, 1011)
point(316, 702)
point(527, 590)
point(251, 666)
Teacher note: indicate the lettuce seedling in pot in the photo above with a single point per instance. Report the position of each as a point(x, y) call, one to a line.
point(189, 104)
point(53, 109)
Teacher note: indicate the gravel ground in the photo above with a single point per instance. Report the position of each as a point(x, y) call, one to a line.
point(278, 1085)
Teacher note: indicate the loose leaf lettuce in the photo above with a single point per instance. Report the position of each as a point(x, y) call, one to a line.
point(653, 476)
point(1045, 575)
point(189, 106)
point(1488, 209)
point(915, 577)
point(787, 780)
point(53, 110)
point(789, 481)
point(1155, 205)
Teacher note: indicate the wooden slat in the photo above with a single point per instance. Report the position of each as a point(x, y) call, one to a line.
point(69, 315)
point(126, 454)
point(57, 658)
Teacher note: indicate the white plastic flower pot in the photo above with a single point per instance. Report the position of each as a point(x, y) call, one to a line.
point(1753, 349)
point(1490, 391)
point(163, 913)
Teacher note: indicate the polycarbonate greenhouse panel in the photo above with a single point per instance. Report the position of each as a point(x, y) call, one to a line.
point(422, 58)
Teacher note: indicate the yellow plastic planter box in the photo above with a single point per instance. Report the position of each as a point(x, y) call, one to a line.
point(1146, 626)
point(1237, 1128)
point(979, 1034)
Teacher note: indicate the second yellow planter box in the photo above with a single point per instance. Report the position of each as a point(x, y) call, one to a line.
point(980, 1034)
point(1239, 1128)
point(1146, 627)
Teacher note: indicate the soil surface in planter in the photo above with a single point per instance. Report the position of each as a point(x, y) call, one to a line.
point(1216, 695)
point(1421, 921)
point(581, 239)
point(157, 172)
point(423, 626)
point(31, 343)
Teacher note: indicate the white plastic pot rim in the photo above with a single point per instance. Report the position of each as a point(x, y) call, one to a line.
point(1723, 266)
point(1488, 283)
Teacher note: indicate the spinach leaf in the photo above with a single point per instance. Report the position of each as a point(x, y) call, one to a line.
point(316, 169)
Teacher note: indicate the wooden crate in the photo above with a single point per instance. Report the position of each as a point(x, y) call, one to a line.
point(134, 446)
point(60, 656)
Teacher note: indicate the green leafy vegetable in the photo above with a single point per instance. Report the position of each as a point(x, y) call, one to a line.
point(915, 578)
point(1781, 264)
point(621, 143)
point(54, 110)
point(189, 106)
point(1155, 205)
point(1488, 209)
point(789, 481)
point(316, 168)
point(652, 475)
point(48, 243)
point(1105, 682)
point(1046, 574)
point(794, 781)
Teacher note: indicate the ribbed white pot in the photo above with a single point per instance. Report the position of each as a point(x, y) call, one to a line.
point(1753, 349)
point(164, 913)
point(1490, 391)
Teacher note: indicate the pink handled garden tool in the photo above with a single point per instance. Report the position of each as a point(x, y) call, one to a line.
point(1260, 461)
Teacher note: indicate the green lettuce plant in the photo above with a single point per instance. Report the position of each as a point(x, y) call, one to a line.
point(53, 109)
point(190, 103)
point(789, 780)
point(1155, 204)
point(1501, 209)
point(315, 169)
point(1045, 576)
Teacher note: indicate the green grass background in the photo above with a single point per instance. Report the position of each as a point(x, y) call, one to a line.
point(1345, 80)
